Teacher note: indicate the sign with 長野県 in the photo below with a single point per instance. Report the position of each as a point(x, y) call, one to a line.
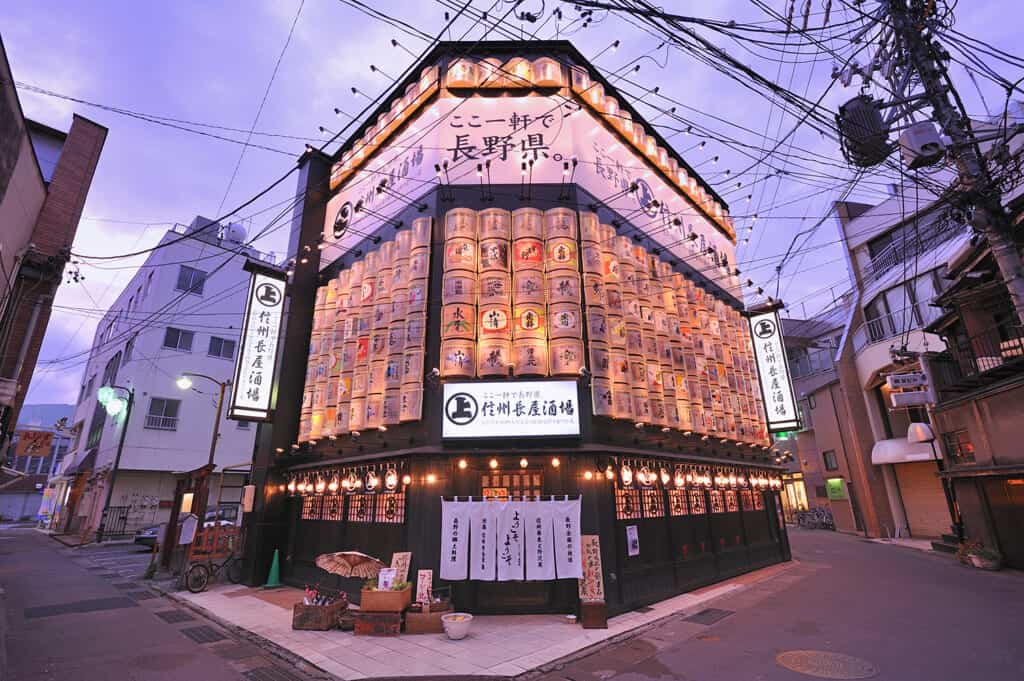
point(252, 393)
point(511, 409)
point(773, 372)
point(835, 489)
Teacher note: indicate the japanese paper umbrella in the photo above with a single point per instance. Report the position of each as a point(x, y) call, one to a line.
point(349, 564)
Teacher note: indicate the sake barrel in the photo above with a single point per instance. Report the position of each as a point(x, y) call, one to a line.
point(527, 254)
point(356, 272)
point(415, 328)
point(671, 412)
point(560, 222)
point(372, 261)
point(396, 337)
point(458, 321)
point(419, 264)
point(623, 249)
point(528, 287)
point(637, 372)
point(344, 388)
point(383, 284)
point(627, 276)
point(387, 253)
point(400, 274)
point(683, 412)
point(393, 372)
point(494, 255)
point(610, 267)
point(566, 356)
point(403, 243)
point(631, 308)
point(341, 424)
point(420, 233)
point(561, 254)
point(613, 298)
point(619, 372)
point(622, 401)
point(597, 325)
point(657, 408)
point(391, 407)
point(650, 342)
point(564, 321)
point(495, 288)
point(316, 423)
point(664, 351)
point(334, 362)
point(593, 290)
point(348, 355)
point(411, 404)
point(375, 379)
point(634, 339)
point(460, 254)
point(530, 357)
point(399, 305)
point(457, 358)
point(641, 404)
point(563, 286)
point(590, 229)
point(617, 331)
point(493, 357)
point(417, 298)
point(360, 381)
point(495, 322)
point(460, 222)
point(600, 360)
point(494, 223)
point(601, 393)
point(378, 345)
point(527, 223)
point(357, 413)
point(654, 377)
point(412, 367)
point(374, 411)
point(305, 424)
point(381, 315)
point(529, 321)
point(592, 259)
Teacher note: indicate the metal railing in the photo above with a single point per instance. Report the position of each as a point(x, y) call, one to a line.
point(814, 361)
point(893, 324)
point(931, 235)
point(998, 347)
point(154, 422)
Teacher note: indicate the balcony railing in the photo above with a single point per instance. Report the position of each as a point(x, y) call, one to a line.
point(894, 254)
point(893, 324)
point(154, 422)
point(995, 351)
point(814, 361)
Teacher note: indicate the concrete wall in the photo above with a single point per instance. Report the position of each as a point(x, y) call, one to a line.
point(20, 506)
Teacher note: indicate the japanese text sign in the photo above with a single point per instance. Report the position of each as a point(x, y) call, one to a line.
point(511, 409)
point(251, 397)
point(33, 443)
point(773, 372)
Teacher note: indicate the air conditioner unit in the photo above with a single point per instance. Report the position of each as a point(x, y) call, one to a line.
point(921, 145)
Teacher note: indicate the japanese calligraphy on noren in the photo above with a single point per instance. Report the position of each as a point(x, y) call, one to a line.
point(773, 371)
point(254, 368)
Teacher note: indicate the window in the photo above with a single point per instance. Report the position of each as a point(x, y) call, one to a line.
point(178, 339)
point(191, 280)
point(149, 285)
point(163, 414)
point(128, 348)
point(830, 460)
point(242, 425)
point(820, 491)
point(958, 446)
point(221, 347)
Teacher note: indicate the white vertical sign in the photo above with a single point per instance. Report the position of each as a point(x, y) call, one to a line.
point(773, 372)
point(511, 541)
point(252, 392)
point(568, 557)
point(454, 539)
point(540, 548)
point(483, 540)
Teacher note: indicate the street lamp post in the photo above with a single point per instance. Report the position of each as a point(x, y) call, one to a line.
point(114, 406)
point(184, 382)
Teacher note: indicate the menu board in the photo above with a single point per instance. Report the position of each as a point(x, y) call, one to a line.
point(591, 585)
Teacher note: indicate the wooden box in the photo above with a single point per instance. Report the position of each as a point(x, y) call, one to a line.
point(385, 601)
point(593, 615)
point(378, 623)
point(428, 621)
point(317, 617)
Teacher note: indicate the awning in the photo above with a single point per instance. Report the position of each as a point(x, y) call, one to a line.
point(83, 466)
point(898, 450)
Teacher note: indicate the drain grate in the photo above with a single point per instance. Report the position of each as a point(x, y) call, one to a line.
point(203, 634)
point(91, 605)
point(269, 674)
point(174, 616)
point(826, 665)
point(140, 595)
point(709, 616)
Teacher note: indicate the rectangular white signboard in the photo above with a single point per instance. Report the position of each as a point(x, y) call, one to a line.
point(252, 391)
point(911, 380)
point(773, 371)
point(510, 409)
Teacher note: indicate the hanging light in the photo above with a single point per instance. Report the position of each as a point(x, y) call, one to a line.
point(493, 463)
point(664, 477)
point(352, 481)
point(406, 479)
point(462, 464)
point(372, 481)
point(646, 477)
point(555, 462)
point(732, 480)
point(320, 485)
point(627, 475)
point(291, 486)
point(588, 475)
point(332, 486)
point(679, 480)
point(523, 463)
point(609, 472)
point(431, 478)
point(391, 479)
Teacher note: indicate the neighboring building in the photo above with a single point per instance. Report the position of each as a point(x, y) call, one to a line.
point(45, 176)
point(181, 312)
point(20, 495)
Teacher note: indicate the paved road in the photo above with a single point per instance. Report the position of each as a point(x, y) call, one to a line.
point(83, 614)
point(910, 615)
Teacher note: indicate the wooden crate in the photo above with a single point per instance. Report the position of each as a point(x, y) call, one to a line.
point(378, 623)
point(593, 615)
point(428, 621)
point(317, 617)
point(385, 601)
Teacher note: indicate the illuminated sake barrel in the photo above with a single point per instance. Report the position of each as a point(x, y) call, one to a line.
point(593, 290)
point(617, 331)
point(374, 411)
point(393, 372)
point(460, 254)
point(458, 321)
point(417, 296)
point(641, 404)
point(643, 286)
point(671, 412)
point(637, 372)
point(683, 412)
point(331, 392)
point(348, 356)
point(387, 253)
point(360, 380)
point(529, 321)
point(494, 223)
point(547, 72)
point(600, 359)
point(399, 305)
point(664, 347)
point(564, 321)
point(597, 325)
point(419, 264)
point(631, 308)
point(641, 258)
point(373, 263)
point(462, 73)
point(527, 254)
point(412, 367)
point(459, 287)
point(659, 413)
point(381, 315)
point(493, 357)
point(375, 378)
point(620, 371)
point(334, 361)
point(403, 244)
point(672, 326)
point(622, 401)
point(566, 356)
point(530, 357)
point(420, 233)
point(613, 297)
point(391, 407)
point(592, 260)
point(396, 337)
point(410, 404)
point(494, 256)
point(627, 275)
point(590, 229)
point(367, 292)
point(563, 286)
point(329, 425)
point(560, 222)
point(457, 358)
point(316, 424)
point(344, 393)
point(561, 254)
point(378, 344)
point(356, 273)
point(601, 392)
point(357, 413)
point(622, 247)
point(495, 288)
point(341, 424)
point(654, 377)
point(527, 223)
point(384, 283)
point(634, 339)
point(610, 268)
point(495, 322)
point(415, 331)
point(650, 343)
point(528, 287)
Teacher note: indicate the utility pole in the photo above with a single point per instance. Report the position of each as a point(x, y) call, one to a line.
point(989, 218)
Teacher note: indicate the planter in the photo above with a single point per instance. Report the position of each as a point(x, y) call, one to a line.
point(984, 563)
point(318, 617)
point(385, 601)
point(456, 624)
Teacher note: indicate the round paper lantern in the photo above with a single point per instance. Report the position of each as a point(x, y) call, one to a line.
point(495, 322)
point(561, 253)
point(460, 222)
point(493, 357)
point(563, 287)
point(459, 287)
point(590, 229)
point(529, 287)
point(457, 358)
point(410, 404)
point(494, 255)
point(600, 360)
point(601, 392)
point(560, 222)
point(458, 321)
point(527, 223)
point(530, 357)
point(564, 321)
point(566, 355)
point(494, 288)
point(494, 223)
point(527, 254)
point(529, 321)
point(547, 72)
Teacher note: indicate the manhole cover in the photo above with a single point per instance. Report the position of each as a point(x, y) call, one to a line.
point(708, 616)
point(826, 665)
point(203, 634)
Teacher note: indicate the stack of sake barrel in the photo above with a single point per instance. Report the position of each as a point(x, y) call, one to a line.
point(564, 298)
point(493, 289)
point(529, 294)
point(458, 297)
point(597, 314)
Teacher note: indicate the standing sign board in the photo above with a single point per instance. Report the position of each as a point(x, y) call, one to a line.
point(591, 586)
point(511, 409)
point(252, 394)
point(773, 372)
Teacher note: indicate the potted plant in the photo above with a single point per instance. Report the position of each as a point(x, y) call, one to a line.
point(397, 599)
point(979, 556)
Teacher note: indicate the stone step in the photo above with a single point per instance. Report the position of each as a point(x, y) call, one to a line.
point(944, 547)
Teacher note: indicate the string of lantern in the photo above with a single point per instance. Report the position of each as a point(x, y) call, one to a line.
point(642, 473)
point(385, 478)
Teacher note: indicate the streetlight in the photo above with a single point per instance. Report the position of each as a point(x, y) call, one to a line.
point(184, 382)
point(107, 396)
point(922, 432)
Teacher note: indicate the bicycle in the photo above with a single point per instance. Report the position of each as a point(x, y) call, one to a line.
point(198, 576)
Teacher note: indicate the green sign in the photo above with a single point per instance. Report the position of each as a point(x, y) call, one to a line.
point(835, 488)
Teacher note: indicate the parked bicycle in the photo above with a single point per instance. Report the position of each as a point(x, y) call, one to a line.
point(817, 518)
point(215, 549)
point(198, 576)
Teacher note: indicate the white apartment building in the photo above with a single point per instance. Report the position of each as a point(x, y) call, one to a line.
point(181, 312)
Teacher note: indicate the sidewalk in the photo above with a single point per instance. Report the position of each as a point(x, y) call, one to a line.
point(498, 646)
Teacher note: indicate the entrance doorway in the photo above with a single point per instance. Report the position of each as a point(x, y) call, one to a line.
point(1006, 504)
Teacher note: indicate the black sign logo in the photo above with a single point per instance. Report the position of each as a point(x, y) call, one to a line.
point(461, 409)
point(764, 329)
point(341, 220)
point(268, 294)
point(645, 198)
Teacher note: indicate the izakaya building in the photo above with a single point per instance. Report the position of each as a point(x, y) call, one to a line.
point(514, 306)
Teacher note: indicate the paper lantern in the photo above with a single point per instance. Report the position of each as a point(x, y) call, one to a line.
point(494, 223)
point(419, 264)
point(393, 372)
point(495, 288)
point(530, 357)
point(579, 79)
point(566, 356)
point(494, 255)
point(391, 407)
point(412, 367)
point(495, 322)
point(590, 228)
point(357, 413)
point(561, 253)
point(564, 321)
point(415, 329)
point(560, 222)
point(374, 411)
point(601, 393)
point(492, 73)
point(457, 358)
point(563, 287)
point(547, 72)
point(410, 404)
point(527, 254)
point(460, 254)
point(623, 122)
point(493, 357)
point(458, 321)
point(462, 73)
point(529, 287)
point(527, 223)
point(529, 321)
point(597, 325)
point(600, 359)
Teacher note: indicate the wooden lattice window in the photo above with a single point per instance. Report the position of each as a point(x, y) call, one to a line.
point(627, 504)
point(360, 508)
point(731, 504)
point(391, 508)
point(525, 483)
point(653, 503)
point(747, 500)
point(697, 504)
point(677, 502)
point(311, 507)
point(759, 501)
point(334, 508)
point(717, 503)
